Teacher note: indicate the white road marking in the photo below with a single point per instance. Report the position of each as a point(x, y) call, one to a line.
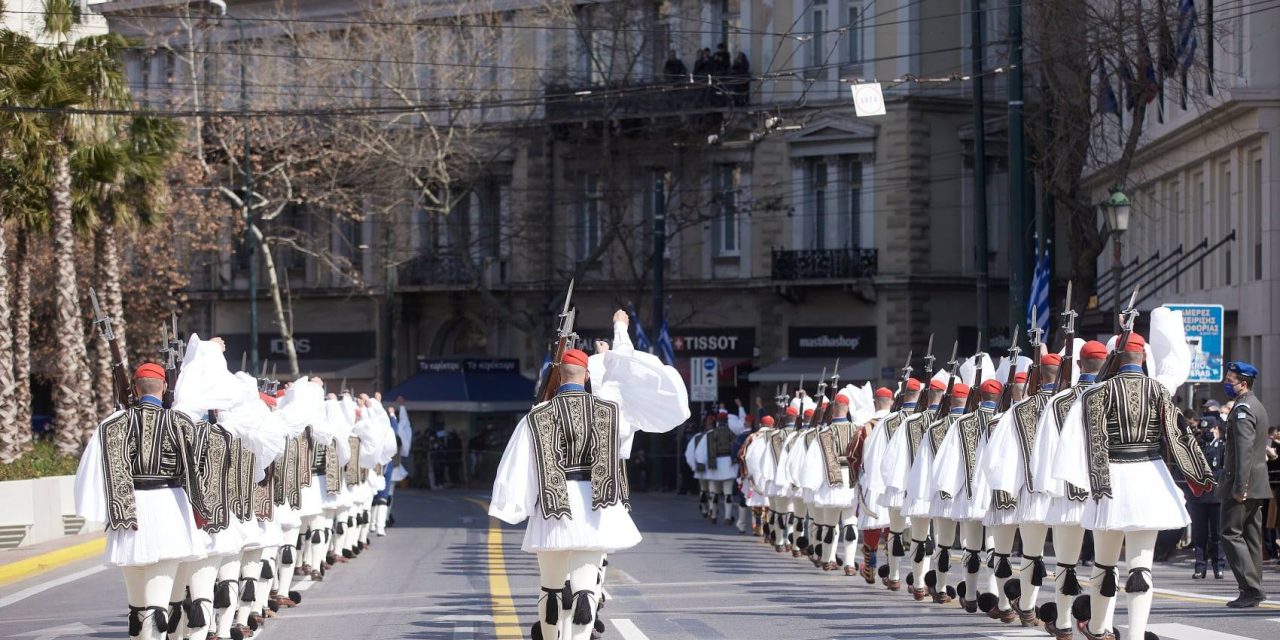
point(1175, 631)
point(45, 586)
point(1192, 594)
point(627, 629)
point(464, 633)
point(74, 629)
point(1015, 634)
point(303, 586)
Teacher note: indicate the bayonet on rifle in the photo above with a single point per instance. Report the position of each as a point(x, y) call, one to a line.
point(123, 391)
point(565, 339)
point(1068, 342)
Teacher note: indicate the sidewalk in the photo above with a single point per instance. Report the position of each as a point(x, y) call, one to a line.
point(19, 564)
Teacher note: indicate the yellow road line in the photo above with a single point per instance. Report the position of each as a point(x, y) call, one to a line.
point(34, 565)
point(506, 624)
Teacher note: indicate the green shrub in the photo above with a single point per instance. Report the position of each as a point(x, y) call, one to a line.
point(42, 461)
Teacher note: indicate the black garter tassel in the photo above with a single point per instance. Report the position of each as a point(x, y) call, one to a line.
point(135, 621)
point(553, 609)
point(1038, 571)
point(831, 534)
point(919, 556)
point(286, 556)
point(944, 559)
point(175, 617)
point(973, 561)
point(195, 615)
point(316, 537)
point(221, 595)
point(1070, 582)
point(161, 618)
point(267, 573)
point(1108, 588)
point(249, 593)
point(898, 549)
point(1003, 570)
point(851, 533)
point(583, 612)
point(1137, 583)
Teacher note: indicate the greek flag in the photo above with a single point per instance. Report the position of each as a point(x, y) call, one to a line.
point(1039, 299)
point(665, 350)
point(1185, 50)
point(642, 340)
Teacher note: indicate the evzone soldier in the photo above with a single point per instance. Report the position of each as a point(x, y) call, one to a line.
point(715, 452)
point(802, 543)
point(752, 480)
point(962, 493)
point(563, 472)
point(1116, 444)
point(875, 486)
point(825, 474)
point(925, 505)
point(904, 447)
point(699, 467)
point(139, 475)
point(872, 518)
point(777, 486)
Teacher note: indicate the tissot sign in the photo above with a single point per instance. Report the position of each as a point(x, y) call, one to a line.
point(822, 342)
point(725, 342)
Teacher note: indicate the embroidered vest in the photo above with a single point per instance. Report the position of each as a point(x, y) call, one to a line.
point(574, 434)
point(146, 443)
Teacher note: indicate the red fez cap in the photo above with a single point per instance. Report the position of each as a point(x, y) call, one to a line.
point(991, 386)
point(267, 399)
point(1020, 377)
point(792, 411)
point(575, 356)
point(749, 419)
point(1051, 360)
point(724, 412)
point(938, 385)
point(842, 398)
point(884, 392)
point(149, 370)
point(913, 384)
point(1094, 350)
point(808, 413)
point(1135, 342)
point(766, 421)
point(960, 390)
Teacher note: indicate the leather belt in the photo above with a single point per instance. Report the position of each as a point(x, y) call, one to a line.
point(577, 476)
point(145, 484)
point(318, 469)
point(1140, 454)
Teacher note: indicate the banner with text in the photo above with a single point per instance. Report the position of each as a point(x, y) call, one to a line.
point(1204, 324)
point(828, 342)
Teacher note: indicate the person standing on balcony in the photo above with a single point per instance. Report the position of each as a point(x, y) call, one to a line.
point(740, 83)
point(674, 69)
point(702, 66)
point(720, 62)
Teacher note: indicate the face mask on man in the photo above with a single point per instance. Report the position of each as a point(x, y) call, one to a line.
point(1230, 389)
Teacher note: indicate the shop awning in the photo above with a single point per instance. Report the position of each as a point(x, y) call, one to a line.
point(792, 369)
point(466, 386)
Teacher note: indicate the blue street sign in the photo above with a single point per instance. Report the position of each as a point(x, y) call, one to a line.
point(1205, 327)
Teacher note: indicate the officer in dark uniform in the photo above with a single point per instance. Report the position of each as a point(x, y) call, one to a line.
point(1244, 490)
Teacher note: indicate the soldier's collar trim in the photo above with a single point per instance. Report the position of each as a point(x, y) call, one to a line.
point(986, 404)
point(571, 386)
point(955, 411)
point(908, 405)
point(150, 399)
point(1130, 368)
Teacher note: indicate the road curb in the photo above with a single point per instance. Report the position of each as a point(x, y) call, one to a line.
point(35, 565)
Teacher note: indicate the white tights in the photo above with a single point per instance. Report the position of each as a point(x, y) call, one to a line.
point(1067, 542)
point(582, 571)
point(228, 571)
point(898, 525)
point(944, 531)
point(148, 587)
point(975, 541)
point(1033, 536)
point(1141, 547)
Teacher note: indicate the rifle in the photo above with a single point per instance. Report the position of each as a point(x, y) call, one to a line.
point(953, 364)
point(1068, 342)
point(565, 337)
point(1035, 336)
point(972, 404)
point(835, 386)
point(119, 377)
point(1006, 394)
point(1128, 316)
point(781, 400)
point(902, 387)
point(928, 376)
point(818, 411)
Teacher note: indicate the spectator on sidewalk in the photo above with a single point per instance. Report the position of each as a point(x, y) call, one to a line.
point(1205, 509)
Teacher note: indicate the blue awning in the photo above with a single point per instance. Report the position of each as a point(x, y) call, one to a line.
point(466, 386)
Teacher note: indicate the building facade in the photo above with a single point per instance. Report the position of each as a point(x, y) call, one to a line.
point(795, 232)
point(1203, 185)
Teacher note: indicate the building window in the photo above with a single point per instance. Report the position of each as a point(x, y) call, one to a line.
point(489, 225)
point(1255, 212)
point(1197, 210)
point(726, 179)
point(817, 33)
point(818, 201)
point(853, 37)
point(589, 204)
point(1224, 209)
point(851, 200)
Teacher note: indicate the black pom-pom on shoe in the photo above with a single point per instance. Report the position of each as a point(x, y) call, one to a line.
point(883, 571)
point(1081, 609)
point(1048, 612)
point(987, 601)
point(1013, 589)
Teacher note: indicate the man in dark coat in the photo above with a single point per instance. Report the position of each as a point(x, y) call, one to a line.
point(1244, 490)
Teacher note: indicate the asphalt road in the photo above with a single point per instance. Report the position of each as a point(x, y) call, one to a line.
point(448, 572)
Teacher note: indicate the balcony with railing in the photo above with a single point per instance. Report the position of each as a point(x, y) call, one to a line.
point(451, 270)
point(581, 101)
point(823, 264)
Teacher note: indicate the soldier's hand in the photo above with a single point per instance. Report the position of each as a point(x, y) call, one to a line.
point(220, 342)
point(377, 395)
point(1240, 497)
point(621, 316)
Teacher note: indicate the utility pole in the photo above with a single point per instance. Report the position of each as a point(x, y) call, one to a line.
point(659, 306)
point(1017, 174)
point(980, 174)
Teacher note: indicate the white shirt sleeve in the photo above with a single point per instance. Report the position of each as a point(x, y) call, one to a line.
point(515, 488)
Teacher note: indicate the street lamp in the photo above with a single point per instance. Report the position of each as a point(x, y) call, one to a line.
point(219, 8)
point(1115, 211)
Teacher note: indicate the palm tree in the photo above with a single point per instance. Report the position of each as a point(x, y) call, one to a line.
point(120, 185)
point(18, 132)
point(61, 78)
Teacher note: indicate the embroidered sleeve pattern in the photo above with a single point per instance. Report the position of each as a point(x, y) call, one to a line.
point(118, 472)
point(1095, 404)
